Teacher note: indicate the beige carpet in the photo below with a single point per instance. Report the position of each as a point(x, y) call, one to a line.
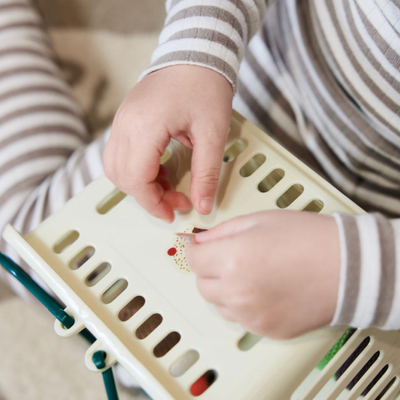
point(39, 365)
point(103, 46)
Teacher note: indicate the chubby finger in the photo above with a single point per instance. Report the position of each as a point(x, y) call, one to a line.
point(229, 228)
point(226, 313)
point(205, 260)
point(141, 182)
point(207, 156)
point(177, 200)
point(210, 290)
point(163, 171)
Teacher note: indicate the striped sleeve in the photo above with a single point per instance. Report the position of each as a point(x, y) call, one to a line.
point(369, 290)
point(207, 33)
point(45, 157)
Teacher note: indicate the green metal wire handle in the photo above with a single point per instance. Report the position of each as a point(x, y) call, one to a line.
point(99, 360)
point(56, 309)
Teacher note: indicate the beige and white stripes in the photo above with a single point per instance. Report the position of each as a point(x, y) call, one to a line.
point(208, 33)
point(44, 156)
point(369, 296)
point(323, 78)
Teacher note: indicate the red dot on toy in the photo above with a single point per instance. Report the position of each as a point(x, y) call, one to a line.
point(171, 251)
point(199, 387)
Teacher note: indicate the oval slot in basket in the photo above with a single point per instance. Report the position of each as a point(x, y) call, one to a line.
point(252, 165)
point(184, 363)
point(113, 199)
point(114, 291)
point(98, 274)
point(148, 326)
point(131, 308)
point(170, 341)
point(66, 241)
point(293, 193)
point(234, 150)
point(272, 179)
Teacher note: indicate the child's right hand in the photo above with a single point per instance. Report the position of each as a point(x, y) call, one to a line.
point(188, 103)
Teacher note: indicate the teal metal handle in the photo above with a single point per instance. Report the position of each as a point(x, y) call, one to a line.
point(56, 309)
point(99, 360)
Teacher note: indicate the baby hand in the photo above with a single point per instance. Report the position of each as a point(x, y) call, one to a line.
point(188, 103)
point(276, 273)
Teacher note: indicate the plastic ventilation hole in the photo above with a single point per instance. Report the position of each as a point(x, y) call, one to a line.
point(128, 311)
point(98, 274)
point(292, 194)
point(252, 165)
point(66, 241)
point(271, 180)
point(170, 341)
point(110, 201)
point(114, 291)
point(203, 383)
point(234, 150)
point(82, 257)
point(248, 341)
point(148, 326)
point(314, 206)
point(184, 363)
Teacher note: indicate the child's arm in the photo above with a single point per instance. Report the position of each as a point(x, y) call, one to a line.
point(44, 154)
point(369, 291)
point(304, 271)
point(183, 100)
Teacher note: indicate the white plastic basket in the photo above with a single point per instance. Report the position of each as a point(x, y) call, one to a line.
point(103, 230)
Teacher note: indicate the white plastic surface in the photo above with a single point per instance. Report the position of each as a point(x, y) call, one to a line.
point(135, 245)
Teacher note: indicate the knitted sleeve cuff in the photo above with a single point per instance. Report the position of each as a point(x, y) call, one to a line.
point(207, 33)
point(369, 290)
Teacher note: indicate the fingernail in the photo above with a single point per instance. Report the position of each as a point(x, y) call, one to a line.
point(206, 205)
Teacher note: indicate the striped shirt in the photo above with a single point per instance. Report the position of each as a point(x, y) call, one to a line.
point(321, 76)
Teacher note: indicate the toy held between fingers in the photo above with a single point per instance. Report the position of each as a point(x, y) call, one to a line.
point(124, 276)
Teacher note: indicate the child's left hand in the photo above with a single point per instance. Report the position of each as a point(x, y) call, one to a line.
point(276, 273)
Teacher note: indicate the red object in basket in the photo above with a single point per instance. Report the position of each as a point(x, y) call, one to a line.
point(200, 386)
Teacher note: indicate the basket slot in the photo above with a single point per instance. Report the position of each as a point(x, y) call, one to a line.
point(271, 180)
point(323, 378)
point(149, 326)
point(252, 165)
point(130, 309)
point(82, 257)
point(361, 380)
point(114, 291)
point(248, 341)
point(234, 150)
point(203, 383)
point(66, 241)
point(365, 385)
point(292, 194)
point(382, 390)
point(98, 274)
point(314, 206)
point(184, 363)
point(355, 366)
point(110, 201)
point(170, 341)
point(392, 389)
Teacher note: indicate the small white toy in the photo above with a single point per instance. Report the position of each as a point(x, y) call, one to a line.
point(123, 275)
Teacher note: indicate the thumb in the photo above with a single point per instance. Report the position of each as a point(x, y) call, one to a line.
point(206, 167)
point(230, 227)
